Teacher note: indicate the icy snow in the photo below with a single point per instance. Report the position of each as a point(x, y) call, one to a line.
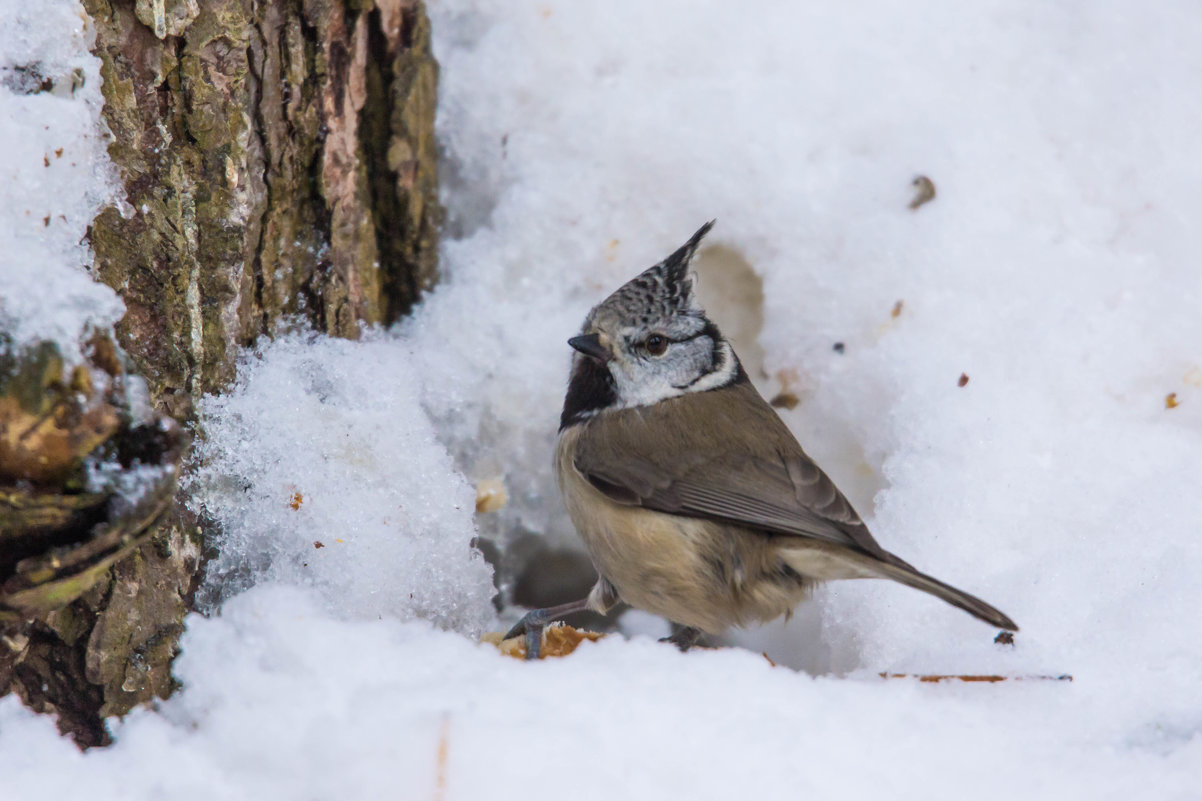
point(321, 471)
point(1057, 268)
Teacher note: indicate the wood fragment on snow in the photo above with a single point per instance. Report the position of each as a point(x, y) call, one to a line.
point(936, 678)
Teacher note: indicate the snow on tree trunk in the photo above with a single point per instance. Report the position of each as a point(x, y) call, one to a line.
point(279, 163)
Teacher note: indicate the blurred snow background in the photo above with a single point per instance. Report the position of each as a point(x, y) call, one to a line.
point(1057, 269)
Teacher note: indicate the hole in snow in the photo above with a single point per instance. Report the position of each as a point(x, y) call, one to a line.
point(733, 297)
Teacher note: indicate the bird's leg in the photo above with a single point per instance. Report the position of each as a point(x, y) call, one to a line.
point(533, 623)
point(684, 638)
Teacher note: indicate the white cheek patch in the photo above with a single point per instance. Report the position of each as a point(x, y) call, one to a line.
point(646, 387)
point(720, 377)
point(643, 392)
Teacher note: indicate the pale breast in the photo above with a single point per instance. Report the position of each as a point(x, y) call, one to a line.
point(694, 572)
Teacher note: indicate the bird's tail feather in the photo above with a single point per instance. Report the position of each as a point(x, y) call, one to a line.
point(971, 604)
point(826, 561)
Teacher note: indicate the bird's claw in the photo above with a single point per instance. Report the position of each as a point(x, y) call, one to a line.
point(532, 625)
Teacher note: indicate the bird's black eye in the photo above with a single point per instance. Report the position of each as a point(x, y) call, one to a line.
point(656, 345)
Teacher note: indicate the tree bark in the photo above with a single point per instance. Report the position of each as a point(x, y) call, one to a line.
point(279, 165)
point(279, 161)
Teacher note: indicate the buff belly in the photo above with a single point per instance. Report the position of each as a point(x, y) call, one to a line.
point(694, 572)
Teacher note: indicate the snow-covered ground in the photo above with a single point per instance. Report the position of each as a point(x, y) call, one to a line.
point(1057, 268)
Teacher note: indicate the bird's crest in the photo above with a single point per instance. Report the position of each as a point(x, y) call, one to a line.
point(662, 291)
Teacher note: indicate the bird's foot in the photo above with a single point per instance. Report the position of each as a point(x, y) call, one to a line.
point(533, 623)
point(684, 638)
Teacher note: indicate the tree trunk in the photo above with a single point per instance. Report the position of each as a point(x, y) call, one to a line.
point(279, 164)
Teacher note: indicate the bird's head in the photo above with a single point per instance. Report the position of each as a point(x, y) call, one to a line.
point(649, 341)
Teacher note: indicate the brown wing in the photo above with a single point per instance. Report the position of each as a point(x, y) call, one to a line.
point(724, 455)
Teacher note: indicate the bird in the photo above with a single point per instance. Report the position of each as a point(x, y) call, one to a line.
point(694, 500)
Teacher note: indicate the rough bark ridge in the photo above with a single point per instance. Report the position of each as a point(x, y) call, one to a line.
point(279, 161)
point(279, 164)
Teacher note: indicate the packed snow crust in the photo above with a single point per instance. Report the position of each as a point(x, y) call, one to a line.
point(1056, 269)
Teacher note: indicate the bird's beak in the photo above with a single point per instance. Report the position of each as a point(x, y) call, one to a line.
point(590, 345)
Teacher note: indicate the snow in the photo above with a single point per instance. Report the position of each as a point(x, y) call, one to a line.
point(1056, 268)
point(54, 176)
point(321, 471)
point(306, 705)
